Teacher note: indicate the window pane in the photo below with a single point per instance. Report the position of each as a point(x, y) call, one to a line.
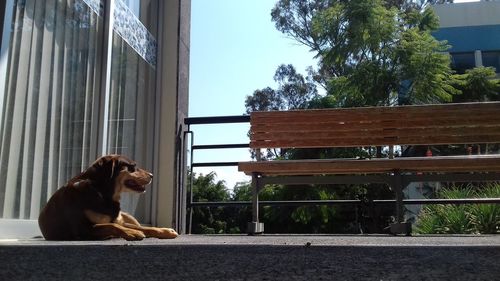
point(146, 11)
point(48, 87)
point(132, 94)
point(462, 61)
point(132, 87)
point(492, 59)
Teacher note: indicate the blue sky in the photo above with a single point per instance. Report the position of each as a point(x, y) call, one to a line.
point(235, 49)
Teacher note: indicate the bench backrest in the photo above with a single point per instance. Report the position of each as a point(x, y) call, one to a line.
point(377, 126)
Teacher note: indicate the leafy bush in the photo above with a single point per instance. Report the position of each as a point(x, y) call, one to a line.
point(462, 219)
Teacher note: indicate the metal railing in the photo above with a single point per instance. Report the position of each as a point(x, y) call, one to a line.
point(205, 121)
point(246, 119)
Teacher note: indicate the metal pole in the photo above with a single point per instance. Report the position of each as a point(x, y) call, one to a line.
point(107, 47)
point(191, 177)
point(255, 198)
point(398, 189)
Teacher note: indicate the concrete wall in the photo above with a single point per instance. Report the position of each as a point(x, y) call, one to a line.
point(469, 26)
point(468, 14)
point(171, 110)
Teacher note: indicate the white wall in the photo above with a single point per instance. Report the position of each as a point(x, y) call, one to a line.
point(468, 14)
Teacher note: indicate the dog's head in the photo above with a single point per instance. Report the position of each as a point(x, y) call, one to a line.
point(116, 174)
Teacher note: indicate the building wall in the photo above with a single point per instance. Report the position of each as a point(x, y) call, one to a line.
point(173, 108)
point(473, 31)
point(471, 38)
point(468, 14)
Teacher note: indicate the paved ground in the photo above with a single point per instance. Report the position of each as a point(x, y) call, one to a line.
point(290, 240)
point(267, 257)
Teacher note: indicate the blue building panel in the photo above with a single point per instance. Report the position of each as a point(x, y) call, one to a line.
point(470, 38)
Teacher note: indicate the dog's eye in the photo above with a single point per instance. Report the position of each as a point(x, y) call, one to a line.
point(131, 168)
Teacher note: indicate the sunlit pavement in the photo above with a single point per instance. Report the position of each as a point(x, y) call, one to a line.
point(264, 257)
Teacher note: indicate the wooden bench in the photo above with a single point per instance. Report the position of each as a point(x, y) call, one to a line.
point(470, 123)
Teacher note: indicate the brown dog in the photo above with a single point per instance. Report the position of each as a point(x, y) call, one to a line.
point(88, 206)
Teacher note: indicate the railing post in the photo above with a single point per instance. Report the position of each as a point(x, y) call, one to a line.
point(191, 178)
point(255, 198)
point(255, 227)
point(398, 189)
point(400, 226)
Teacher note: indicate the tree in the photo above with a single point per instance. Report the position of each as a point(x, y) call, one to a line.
point(293, 92)
point(368, 48)
point(478, 84)
point(209, 220)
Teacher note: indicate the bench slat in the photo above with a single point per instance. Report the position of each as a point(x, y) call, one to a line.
point(388, 132)
point(493, 124)
point(362, 113)
point(480, 163)
point(404, 125)
point(360, 142)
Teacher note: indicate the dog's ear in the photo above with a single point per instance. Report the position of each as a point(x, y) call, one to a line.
point(105, 167)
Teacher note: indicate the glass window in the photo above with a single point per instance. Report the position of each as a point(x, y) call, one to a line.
point(49, 81)
point(130, 121)
point(145, 11)
point(462, 61)
point(50, 97)
point(132, 94)
point(492, 59)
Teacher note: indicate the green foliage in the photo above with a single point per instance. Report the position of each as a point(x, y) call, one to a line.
point(368, 48)
point(208, 220)
point(294, 92)
point(290, 219)
point(462, 219)
point(424, 63)
point(206, 188)
point(477, 84)
point(486, 218)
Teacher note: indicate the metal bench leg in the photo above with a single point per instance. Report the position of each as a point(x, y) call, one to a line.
point(255, 227)
point(400, 226)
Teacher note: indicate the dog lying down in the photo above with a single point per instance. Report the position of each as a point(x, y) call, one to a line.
point(88, 206)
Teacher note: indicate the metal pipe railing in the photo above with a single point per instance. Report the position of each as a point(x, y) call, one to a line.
point(204, 121)
point(351, 202)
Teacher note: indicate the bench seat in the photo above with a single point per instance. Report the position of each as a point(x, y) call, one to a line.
point(475, 163)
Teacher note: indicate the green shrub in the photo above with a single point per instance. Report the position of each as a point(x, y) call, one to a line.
point(462, 219)
point(486, 217)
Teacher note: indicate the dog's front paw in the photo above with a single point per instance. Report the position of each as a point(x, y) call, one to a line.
point(166, 233)
point(132, 234)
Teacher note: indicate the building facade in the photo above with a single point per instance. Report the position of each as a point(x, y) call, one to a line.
point(84, 78)
point(473, 31)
